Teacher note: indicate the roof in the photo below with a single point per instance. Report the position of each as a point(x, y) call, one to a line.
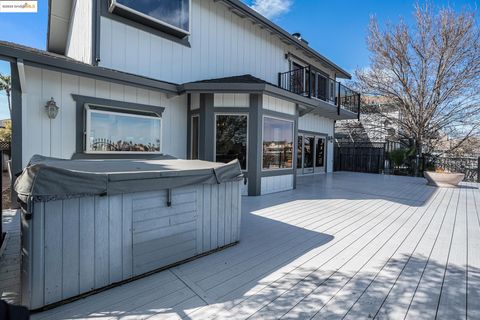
point(58, 23)
point(246, 78)
point(249, 84)
point(31, 56)
point(59, 17)
point(236, 84)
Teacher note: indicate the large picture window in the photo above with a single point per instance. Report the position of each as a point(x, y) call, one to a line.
point(110, 131)
point(174, 14)
point(231, 138)
point(277, 143)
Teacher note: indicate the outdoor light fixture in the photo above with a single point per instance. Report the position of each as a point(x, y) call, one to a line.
point(329, 138)
point(52, 109)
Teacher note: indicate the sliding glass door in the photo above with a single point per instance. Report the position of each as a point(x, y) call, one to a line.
point(311, 152)
point(308, 153)
point(319, 154)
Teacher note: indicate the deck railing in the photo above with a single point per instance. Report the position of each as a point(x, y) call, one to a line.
point(305, 82)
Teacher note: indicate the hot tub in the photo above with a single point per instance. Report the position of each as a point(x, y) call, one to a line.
point(91, 224)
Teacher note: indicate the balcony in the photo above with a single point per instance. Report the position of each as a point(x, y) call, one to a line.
point(309, 83)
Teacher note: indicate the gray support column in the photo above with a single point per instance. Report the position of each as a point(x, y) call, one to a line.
point(295, 147)
point(189, 125)
point(16, 145)
point(255, 143)
point(207, 127)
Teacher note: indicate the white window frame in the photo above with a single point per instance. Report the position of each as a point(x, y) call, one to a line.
point(114, 4)
point(293, 141)
point(88, 112)
point(215, 134)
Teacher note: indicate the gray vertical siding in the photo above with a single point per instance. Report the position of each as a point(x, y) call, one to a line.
point(77, 245)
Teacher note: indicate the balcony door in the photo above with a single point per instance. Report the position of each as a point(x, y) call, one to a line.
point(297, 78)
point(321, 87)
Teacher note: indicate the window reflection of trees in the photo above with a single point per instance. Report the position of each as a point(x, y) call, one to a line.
point(231, 139)
point(102, 144)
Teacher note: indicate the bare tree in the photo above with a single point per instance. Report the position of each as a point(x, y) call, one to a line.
point(430, 71)
point(6, 85)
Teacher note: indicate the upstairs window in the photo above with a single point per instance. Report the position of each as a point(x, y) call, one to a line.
point(109, 131)
point(172, 16)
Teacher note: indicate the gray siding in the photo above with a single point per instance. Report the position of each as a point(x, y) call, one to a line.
point(77, 245)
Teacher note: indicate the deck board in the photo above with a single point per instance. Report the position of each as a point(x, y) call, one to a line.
point(347, 245)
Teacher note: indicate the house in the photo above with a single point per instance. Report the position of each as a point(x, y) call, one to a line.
point(194, 79)
point(378, 123)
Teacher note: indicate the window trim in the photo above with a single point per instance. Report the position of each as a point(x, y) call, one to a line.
point(263, 139)
point(114, 4)
point(113, 110)
point(215, 134)
point(191, 136)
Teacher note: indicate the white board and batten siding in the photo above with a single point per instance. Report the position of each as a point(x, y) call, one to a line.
point(275, 184)
point(278, 105)
point(77, 245)
point(231, 100)
point(79, 37)
point(221, 45)
point(317, 124)
point(57, 137)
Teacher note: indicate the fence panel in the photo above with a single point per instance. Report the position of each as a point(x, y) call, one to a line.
point(369, 158)
point(470, 166)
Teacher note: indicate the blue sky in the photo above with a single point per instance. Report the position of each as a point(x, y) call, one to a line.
point(337, 29)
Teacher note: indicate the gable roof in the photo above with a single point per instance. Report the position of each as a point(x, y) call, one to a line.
point(35, 57)
point(59, 20)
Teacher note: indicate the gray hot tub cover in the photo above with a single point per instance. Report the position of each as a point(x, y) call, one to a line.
point(46, 179)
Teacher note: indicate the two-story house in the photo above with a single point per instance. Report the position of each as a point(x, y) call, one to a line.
point(194, 79)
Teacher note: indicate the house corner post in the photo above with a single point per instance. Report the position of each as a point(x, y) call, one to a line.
point(207, 127)
point(16, 145)
point(255, 127)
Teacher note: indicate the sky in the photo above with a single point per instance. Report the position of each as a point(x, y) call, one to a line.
point(336, 29)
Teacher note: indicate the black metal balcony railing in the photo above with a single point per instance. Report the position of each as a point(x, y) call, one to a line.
point(310, 84)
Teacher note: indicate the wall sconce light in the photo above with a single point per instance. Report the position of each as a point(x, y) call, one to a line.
point(52, 109)
point(329, 138)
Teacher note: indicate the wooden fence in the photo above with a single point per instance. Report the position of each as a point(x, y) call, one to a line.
point(360, 157)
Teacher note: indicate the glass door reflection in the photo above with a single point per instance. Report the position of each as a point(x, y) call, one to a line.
point(320, 154)
point(308, 153)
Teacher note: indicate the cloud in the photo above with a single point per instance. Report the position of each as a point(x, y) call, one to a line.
point(272, 8)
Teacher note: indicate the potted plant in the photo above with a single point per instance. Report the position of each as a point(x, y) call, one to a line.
point(397, 159)
point(440, 177)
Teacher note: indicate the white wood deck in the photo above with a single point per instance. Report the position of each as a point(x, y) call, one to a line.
point(347, 245)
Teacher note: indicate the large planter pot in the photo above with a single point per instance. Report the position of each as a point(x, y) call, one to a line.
point(443, 179)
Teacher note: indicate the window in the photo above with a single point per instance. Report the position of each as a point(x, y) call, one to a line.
point(172, 14)
point(111, 131)
point(195, 137)
point(277, 143)
point(231, 138)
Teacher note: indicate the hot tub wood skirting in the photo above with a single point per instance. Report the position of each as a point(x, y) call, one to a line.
point(74, 246)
